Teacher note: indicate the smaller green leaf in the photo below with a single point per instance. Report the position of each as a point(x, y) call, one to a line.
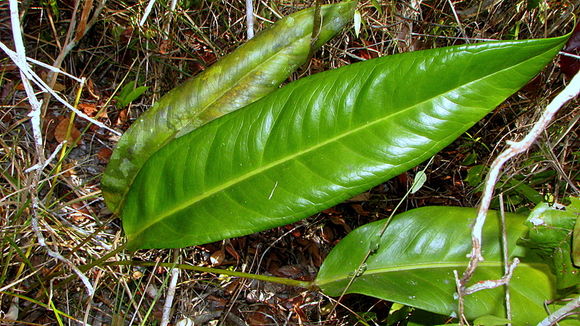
point(530, 193)
point(377, 6)
point(550, 236)
point(470, 159)
point(475, 175)
point(419, 181)
point(575, 208)
point(129, 94)
point(418, 253)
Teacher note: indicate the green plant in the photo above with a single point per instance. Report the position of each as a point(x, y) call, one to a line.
point(129, 93)
point(321, 140)
point(238, 79)
point(324, 138)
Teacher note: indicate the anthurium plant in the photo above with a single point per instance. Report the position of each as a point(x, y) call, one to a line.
point(181, 176)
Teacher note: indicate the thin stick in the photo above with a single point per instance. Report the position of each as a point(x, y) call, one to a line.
point(166, 317)
point(19, 58)
point(147, 12)
point(250, 18)
point(561, 313)
point(505, 254)
point(513, 150)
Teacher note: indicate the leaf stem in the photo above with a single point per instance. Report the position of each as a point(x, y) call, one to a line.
point(273, 279)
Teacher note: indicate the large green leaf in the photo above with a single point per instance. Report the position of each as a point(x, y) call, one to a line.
point(321, 140)
point(250, 72)
point(417, 255)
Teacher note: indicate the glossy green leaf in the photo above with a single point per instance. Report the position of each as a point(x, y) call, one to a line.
point(416, 258)
point(250, 72)
point(550, 235)
point(321, 140)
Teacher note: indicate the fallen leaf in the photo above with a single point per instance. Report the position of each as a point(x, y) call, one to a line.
point(60, 132)
point(217, 257)
point(104, 154)
point(89, 108)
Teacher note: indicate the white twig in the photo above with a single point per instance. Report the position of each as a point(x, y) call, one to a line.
point(31, 75)
point(513, 150)
point(19, 58)
point(147, 12)
point(166, 317)
point(54, 69)
point(492, 284)
point(561, 313)
point(505, 257)
point(42, 165)
point(250, 18)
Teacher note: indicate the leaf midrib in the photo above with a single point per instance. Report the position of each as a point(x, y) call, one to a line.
point(257, 171)
point(429, 265)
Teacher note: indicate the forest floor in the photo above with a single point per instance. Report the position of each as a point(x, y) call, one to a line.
point(110, 49)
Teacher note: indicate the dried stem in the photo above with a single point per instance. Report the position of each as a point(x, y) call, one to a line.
point(561, 313)
point(19, 57)
point(513, 150)
point(166, 317)
point(250, 18)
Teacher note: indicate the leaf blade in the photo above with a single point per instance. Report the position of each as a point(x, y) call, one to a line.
point(253, 70)
point(342, 131)
point(418, 253)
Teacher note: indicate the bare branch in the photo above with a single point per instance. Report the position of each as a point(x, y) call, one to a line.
point(513, 150)
point(250, 18)
point(561, 313)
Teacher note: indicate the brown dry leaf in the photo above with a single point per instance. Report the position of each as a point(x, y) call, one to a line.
point(365, 196)
point(104, 154)
point(58, 87)
point(60, 132)
point(82, 26)
point(360, 210)
point(314, 251)
point(217, 257)
point(232, 251)
point(165, 46)
point(89, 108)
point(90, 87)
point(259, 317)
point(122, 119)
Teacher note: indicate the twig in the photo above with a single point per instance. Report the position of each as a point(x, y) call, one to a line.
point(505, 257)
point(166, 317)
point(31, 75)
point(513, 150)
point(250, 18)
point(147, 12)
point(19, 57)
point(458, 21)
point(560, 313)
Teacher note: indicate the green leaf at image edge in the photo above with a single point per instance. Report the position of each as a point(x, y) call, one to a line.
point(250, 72)
point(416, 258)
point(321, 140)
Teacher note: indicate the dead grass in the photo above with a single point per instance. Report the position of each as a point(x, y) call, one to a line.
point(38, 289)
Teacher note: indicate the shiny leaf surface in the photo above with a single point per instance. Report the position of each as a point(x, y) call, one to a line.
point(417, 255)
point(321, 140)
point(250, 72)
